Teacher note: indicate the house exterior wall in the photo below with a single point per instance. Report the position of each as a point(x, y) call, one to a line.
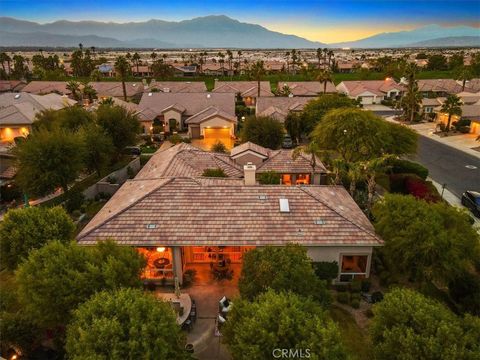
point(172, 114)
point(194, 131)
point(217, 122)
point(249, 157)
point(8, 133)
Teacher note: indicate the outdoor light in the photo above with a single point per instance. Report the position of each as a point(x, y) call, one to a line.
point(160, 249)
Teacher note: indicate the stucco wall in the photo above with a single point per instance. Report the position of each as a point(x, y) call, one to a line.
point(172, 114)
point(246, 158)
point(217, 122)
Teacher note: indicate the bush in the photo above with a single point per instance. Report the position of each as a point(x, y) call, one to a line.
point(368, 313)
point(355, 303)
point(343, 297)
point(462, 123)
point(464, 129)
point(377, 296)
point(175, 139)
point(74, 201)
point(219, 147)
point(356, 286)
point(400, 166)
point(269, 178)
point(465, 291)
point(341, 287)
point(76, 214)
point(421, 189)
point(214, 173)
point(366, 283)
point(326, 270)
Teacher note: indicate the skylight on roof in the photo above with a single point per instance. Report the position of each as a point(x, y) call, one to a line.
point(262, 197)
point(319, 222)
point(284, 205)
point(151, 226)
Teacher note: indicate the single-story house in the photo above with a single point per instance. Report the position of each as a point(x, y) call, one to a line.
point(306, 88)
point(176, 86)
point(215, 68)
point(279, 107)
point(247, 90)
point(141, 71)
point(213, 219)
point(106, 89)
point(18, 111)
point(47, 87)
point(185, 71)
point(371, 91)
point(469, 112)
point(429, 105)
point(438, 87)
point(11, 85)
point(208, 115)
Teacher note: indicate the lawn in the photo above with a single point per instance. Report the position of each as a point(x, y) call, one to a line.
point(356, 341)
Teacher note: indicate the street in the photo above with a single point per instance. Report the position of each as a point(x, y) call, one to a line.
point(458, 170)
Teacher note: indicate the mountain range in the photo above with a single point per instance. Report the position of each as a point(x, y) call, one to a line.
point(216, 31)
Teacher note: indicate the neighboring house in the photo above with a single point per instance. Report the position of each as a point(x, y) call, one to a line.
point(247, 90)
point(278, 107)
point(306, 88)
point(185, 71)
point(141, 71)
point(469, 98)
point(296, 171)
point(194, 221)
point(346, 67)
point(217, 69)
point(438, 87)
point(176, 86)
point(469, 112)
point(11, 85)
point(371, 91)
point(201, 114)
point(428, 107)
point(106, 89)
point(107, 70)
point(47, 87)
point(18, 111)
point(472, 85)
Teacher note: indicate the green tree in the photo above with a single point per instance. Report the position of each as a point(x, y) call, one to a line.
point(48, 160)
point(312, 150)
point(451, 106)
point(425, 241)
point(18, 332)
point(74, 87)
point(58, 277)
point(89, 92)
point(286, 268)
point(411, 100)
point(98, 148)
point(295, 126)
point(120, 124)
point(122, 69)
point(71, 119)
point(456, 60)
point(23, 230)
point(262, 130)
point(257, 72)
point(463, 74)
point(281, 321)
point(126, 324)
point(315, 110)
point(161, 70)
point(437, 62)
point(324, 77)
point(219, 147)
point(408, 325)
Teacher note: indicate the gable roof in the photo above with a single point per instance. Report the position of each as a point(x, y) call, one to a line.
point(249, 146)
point(46, 87)
point(178, 86)
point(209, 113)
point(449, 86)
point(377, 87)
point(306, 88)
point(279, 106)
point(282, 161)
point(227, 213)
point(115, 89)
point(245, 88)
point(11, 85)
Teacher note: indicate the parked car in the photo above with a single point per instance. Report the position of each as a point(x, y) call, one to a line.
point(287, 142)
point(132, 150)
point(471, 200)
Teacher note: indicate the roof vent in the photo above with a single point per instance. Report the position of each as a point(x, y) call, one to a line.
point(166, 90)
point(149, 94)
point(209, 96)
point(17, 96)
point(319, 222)
point(134, 85)
point(262, 197)
point(151, 226)
point(284, 205)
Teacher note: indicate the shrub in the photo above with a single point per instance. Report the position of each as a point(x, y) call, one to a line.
point(366, 283)
point(175, 139)
point(341, 287)
point(130, 173)
point(74, 201)
point(462, 123)
point(400, 166)
point(464, 129)
point(368, 313)
point(219, 147)
point(214, 173)
point(377, 296)
point(343, 297)
point(326, 270)
point(356, 286)
point(465, 291)
point(421, 189)
point(269, 178)
point(355, 303)
point(76, 214)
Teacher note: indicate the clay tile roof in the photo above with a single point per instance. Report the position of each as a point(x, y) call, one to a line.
point(115, 89)
point(279, 106)
point(245, 88)
point(208, 113)
point(282, 161)
point(178, 86)
point(306, 88)
point(46, 87)
point(186, 211)
point(237, 150)
point(377, 87)
point(449, 86)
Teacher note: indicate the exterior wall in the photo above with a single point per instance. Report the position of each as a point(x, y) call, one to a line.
point(172, 114)
point(8, 133)
point(248, 157)
point(177, 263)
point(194, 131)
point(217, 122)
point(475, 127)
point(334, 253)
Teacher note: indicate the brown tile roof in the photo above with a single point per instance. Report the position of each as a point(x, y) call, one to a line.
point(11, 85)
point(378, 87)
point(178, 86)
point(245, 88)
point(193, 103)
point(306, 88)
point(278, 107)
point(209, 113)
point(449, 86)
point(46, 87)
point(282, 161)
point(185, 211)
point(115, 89)
point(249, 146)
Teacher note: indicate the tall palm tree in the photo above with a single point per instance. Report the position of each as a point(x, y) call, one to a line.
point(89, 92)
point(287, 55)
point(74, 87)
point(80, 46)
point(4, 58)
point(136, 60)
point(370, 170)
point(122, 69)
point(412, 99)
point(324, 77)
point(355, 174)
point(319, 56)
point(257, 72)
point(463, 74)
point(294, 56)
point(451, 106)
point(313, 150)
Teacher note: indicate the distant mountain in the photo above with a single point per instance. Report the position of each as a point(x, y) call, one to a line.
point(407, 38)
point(464, 41)
point(209, 32)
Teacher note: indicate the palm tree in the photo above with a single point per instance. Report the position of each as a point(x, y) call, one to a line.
point(74, 87)
point(370, 169)
point(257, 71)
point(136, 60)
point(89, 92)
point(464, 74)
point(230, 58)
point(294, 60)
point(80, 46)
point(122, 69)
point(96, 75)
point(451, 106)
point(412, 98)
point(287, 55)
point(324, 77)
point(313, 150)
point(355, 174)
point(339, 168)
point(4, 58)
point(319, 56)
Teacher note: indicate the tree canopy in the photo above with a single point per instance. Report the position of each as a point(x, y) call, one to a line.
point(282, 320)
point(286, 268)
point(55, 279)
point(30, 228)
point(358, 135)
point(408, 325)
point(125, 324)
point(426, 241)
point(263, 130)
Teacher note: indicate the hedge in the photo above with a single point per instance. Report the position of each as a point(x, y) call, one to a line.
point(400, 166)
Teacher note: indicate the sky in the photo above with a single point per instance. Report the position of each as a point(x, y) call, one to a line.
point(324, 21)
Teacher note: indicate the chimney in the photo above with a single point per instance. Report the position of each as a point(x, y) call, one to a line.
point(249, 171)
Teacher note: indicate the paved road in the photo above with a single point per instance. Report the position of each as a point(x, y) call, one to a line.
point(447, 165)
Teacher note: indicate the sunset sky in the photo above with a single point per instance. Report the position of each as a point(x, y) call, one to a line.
point(325, 21)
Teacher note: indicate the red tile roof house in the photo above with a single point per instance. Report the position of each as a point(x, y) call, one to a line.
point(439, 87)
point(278, 107)
point(171, 213)
point(11, 85)
point(306, 88)
point(106, 89)
point(176, 86)
point(201, 114)
point(370, 91)
point(247, 90)
point(47, 87)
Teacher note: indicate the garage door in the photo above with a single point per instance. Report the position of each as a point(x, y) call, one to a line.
point(367, 100)
point(217, 133)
